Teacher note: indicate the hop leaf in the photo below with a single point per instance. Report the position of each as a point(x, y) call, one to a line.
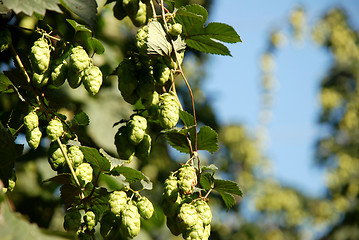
point(79, 60)
point(33, 137)
point(5, 39)
point(84, 173)
point(145, 208)
point(92, 79)
point(55, 129)
point(31, 121)
point(40, 56)
point(118, 201)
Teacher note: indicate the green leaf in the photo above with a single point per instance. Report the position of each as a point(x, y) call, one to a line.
point(115, 162)
point(96, 45)
point(81, 119)
point(228, 199)
point(177, 138)
point(29, 7)
point(222, 32)
point(207, 139)
point(227, 186)
point(99, 198)
point(78, 27)
point(186, 118)
point(131, 175)
point(206, 181)
point(69, 194)
point(192, 18)
point(98, 162)
point(5, 84)
point(86, 10)
point(63, 178)
point(157, 42)
point(207, 45)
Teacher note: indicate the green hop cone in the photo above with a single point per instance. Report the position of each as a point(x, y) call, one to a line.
point(79, 60)
point(75, 155)
point(161, 73)
point(125, 149)
point(187, 179)
point(55, 129)
point(172, 225)
point(204, 211)
point(92, 79)
point(131, 7)
point(11, 182)
point(171, 188)
point(72, 221)
point(59, 73)
point(168, 110)
point(196, 232)
point(56, 158)
point(171, 208)
point(175, 29)
point(84, 173)
point(119, 11)
point(207, 232)
point(131, 220)
point(136, 129)
point(40, 56)
point(33, 137)
point(143, 149)
point(127, 81)
point(75, 78)
point(118, 202)
point(141, 16)
point(5, 39)
point(187, 216)
point(146, 84)
point(40, 80)
point(145, 208)
point(31, 120)
point(90, 220)
point(141, 39)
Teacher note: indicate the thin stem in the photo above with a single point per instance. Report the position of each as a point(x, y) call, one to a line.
point(68, 162)
point(207, 194)
point(183, 76)
point(153, 9)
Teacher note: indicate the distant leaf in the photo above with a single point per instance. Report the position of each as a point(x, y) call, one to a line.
point(14, 226)
point(8, 153)
point(63, 178)
point(206, 181)
point(98, 162)
point(157, 42)
point(131, 175)
point(210, 168)
point(228, 199)
point(78, 27)
point(5, 84)
point(115, 162)
point(96, 45)
point(86, 10)
point(222, 32)
point(227, 186)
point(207, 45)
point(81, 119)
point(29, 7)
point(207, 139)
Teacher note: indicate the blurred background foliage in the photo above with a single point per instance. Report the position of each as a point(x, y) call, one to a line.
point(269, 210)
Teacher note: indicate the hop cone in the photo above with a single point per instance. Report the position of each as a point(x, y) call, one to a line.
point(55, 129)
point(92, 79)
point(84, 173)
point(118, 202)
point(56, 158)
point(79, 60)
point(168, 112)
point(40, 56)
point(31, 121)
point(131, 220)
point(33, 137)
point(136, 129)
point(145, 208)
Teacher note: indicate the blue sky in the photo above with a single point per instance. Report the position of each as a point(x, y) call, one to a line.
point(233, 84)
